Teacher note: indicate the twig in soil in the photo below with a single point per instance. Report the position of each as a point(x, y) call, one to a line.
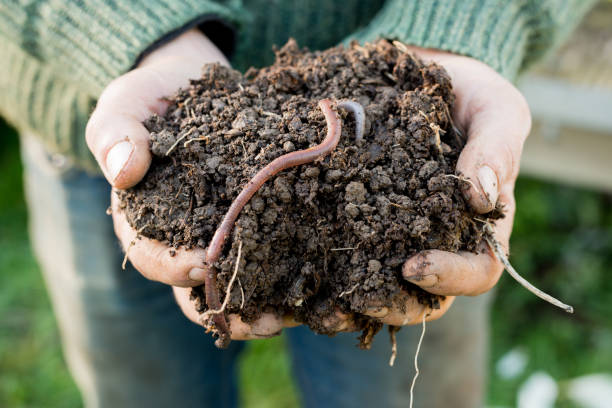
point(342, 249)
point(334, 130)
point(360, 118)
point(179, 140)
point(416, 361)
point(499, 252)
point(228, 291)
point(348, 292)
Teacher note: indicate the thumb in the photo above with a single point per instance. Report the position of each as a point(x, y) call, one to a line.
point(115, 133)
point(498, 123)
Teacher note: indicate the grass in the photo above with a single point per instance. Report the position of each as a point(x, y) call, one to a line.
point(562, 242)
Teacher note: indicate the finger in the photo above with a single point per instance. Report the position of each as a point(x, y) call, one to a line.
point(339, 322)
point(155, 260)
point(267, 326)
point(463, 273)
point(115, 134)
point(498, 121)
point(411, 312)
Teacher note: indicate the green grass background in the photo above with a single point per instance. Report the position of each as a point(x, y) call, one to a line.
point(562, 242)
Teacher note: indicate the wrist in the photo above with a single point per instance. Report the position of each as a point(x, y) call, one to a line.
point(191, 45)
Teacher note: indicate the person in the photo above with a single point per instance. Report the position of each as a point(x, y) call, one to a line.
point(126, 342)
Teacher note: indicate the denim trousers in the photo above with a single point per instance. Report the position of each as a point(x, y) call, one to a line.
point(127, 344)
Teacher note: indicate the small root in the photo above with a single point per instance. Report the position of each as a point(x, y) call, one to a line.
point(179, 140)
point(127, 252)
point(195, 139)
point(348, 292)
point(343, 249)
point(390, 76)
point(499, 252)
point(272, 115)
point(392, 334)
point(228, 291)
point(241, 294)
point(465, 180)
point(416, 361)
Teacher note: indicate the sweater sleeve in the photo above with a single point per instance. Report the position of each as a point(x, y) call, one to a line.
point(508, 35)
point(90, 42)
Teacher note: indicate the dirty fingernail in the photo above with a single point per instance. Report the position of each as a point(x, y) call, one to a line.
point(117, 158)
point(197, 274)
point(424, 281)
point(488, 181)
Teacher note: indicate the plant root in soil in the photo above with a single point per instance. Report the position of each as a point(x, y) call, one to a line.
point(499, 253)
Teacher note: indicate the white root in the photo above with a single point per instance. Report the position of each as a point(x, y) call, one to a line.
point(348, 292)
point(228, 292)
point(393, 346)
point(467, 180)
point(499, 252)
point(241, 294)
point(416, 361)
point(193, 129)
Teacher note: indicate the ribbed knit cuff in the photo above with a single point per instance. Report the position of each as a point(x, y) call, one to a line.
point(505, 35)
point(95, 41)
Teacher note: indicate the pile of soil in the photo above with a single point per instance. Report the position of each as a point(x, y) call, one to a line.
point(330, 235)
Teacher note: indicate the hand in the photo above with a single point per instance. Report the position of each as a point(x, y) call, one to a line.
point(497, 121)
point(120, 143)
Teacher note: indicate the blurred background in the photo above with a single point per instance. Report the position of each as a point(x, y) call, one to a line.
point(562, 242)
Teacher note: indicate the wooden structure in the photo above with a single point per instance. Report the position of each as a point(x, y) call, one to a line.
point(570, 97)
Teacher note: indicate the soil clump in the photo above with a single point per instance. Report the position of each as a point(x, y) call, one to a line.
point(324, 236)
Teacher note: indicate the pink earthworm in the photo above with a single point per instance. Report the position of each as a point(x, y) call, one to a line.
point(334, 129)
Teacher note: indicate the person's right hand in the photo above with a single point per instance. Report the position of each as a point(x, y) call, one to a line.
point(120, 143)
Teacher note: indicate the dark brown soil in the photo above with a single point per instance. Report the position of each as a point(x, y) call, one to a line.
point(345, 223)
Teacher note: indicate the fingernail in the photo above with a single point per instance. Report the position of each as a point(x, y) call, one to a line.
point(488, 181)
point(117, 157)
point(197, 274)
point(424, 281)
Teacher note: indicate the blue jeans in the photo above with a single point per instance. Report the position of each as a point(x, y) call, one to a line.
point(128, 345)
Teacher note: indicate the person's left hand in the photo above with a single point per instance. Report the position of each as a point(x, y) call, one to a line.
point(497, 121)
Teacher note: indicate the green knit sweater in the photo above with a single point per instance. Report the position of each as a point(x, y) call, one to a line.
point(56, 56)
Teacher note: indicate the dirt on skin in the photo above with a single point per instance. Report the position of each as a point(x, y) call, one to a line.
point(326, 236)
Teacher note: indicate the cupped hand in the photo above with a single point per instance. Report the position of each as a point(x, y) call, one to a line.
point(120, 143)
point(496, 119)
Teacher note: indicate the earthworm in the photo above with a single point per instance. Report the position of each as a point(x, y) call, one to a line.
point(360, 118)
point(334, 129)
